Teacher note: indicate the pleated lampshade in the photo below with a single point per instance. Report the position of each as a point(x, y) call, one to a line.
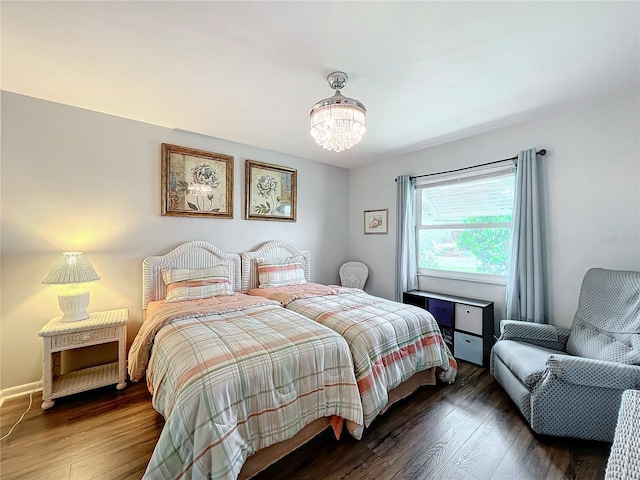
point(71, 267)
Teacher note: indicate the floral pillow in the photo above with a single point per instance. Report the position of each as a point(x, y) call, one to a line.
point(280, 272)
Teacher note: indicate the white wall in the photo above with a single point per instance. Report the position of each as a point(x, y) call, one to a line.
point(74, 179)
point(591, 195)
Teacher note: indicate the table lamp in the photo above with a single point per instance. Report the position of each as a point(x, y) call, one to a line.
point(72, 268)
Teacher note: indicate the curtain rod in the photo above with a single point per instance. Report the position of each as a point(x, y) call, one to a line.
point(542, 153)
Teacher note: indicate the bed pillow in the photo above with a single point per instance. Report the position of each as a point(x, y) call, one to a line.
point(280, 272)
point(185, 284)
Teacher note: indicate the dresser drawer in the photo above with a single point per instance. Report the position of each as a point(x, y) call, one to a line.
point(468, 318)
point(87, 337)
point(468, 347)
point(442, 311)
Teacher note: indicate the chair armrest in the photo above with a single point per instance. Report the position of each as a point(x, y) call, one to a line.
point(543, 335)
point(594, 373)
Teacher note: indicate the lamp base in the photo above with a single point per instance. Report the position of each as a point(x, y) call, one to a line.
point(74, 305)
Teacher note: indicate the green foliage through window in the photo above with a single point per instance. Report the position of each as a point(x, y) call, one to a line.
point(488, 245)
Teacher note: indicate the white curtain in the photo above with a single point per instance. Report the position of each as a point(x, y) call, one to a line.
point(525, 295)
point(406, 263)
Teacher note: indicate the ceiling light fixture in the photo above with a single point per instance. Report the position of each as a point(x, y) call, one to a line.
point(338, 122)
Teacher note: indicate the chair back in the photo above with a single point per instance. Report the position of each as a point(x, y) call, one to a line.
point(607, 323)
point(354, 274)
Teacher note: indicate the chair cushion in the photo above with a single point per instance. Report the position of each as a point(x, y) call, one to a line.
point(520, 395)
point(527, 362)
point(607, 323)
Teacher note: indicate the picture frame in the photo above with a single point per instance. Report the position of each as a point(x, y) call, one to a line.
point(376, 221)
point(270, 192)
point(196, 183)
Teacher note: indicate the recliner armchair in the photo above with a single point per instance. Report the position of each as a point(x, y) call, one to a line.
point(569, 382)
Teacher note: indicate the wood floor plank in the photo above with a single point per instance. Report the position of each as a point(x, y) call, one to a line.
point(588, 466)
point(67, 432)
point(416, 424)
point(425, 449)
point(529, 458)
point(60, 474)
point(428, 456)
point(352, 458)
point(309, 461)
point(99, 464)
point(452, 472)
point(426, 408)
point(372, 467)
point(584, 460)
point(485, 397)
point(485, 449)
point(468, 430)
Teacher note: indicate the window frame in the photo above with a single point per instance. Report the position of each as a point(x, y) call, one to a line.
point(494, 170)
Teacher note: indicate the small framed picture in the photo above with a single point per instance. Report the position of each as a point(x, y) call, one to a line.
point(196, 183)
point(270, 192)
point(375, 221)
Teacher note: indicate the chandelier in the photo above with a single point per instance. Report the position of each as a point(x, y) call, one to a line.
point(338, 122)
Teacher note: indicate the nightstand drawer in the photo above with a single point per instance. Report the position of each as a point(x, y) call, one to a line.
point(86, 337)
point(468, 318)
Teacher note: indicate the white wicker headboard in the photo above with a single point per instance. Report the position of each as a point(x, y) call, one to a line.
point(273, 249)
point(196, 254)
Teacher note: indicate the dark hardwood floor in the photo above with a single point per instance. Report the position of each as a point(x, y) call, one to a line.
point(468, 430)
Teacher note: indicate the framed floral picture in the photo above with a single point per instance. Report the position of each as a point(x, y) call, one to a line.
point(375, 221)
point(196, 183)
point(270, 192)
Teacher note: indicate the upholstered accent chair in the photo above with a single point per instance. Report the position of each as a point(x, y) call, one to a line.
point(569, 382)
point(354, 274)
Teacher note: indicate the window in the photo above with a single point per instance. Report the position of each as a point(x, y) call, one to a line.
point(464, 222)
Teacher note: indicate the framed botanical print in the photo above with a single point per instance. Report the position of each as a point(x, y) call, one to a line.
point(375, 221)
point(270, 192)
point(196, 183)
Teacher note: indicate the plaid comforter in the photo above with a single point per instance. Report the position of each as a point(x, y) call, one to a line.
point(232, 375)
point(389, 341)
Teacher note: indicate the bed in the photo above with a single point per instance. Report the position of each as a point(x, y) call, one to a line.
point(396, 348)
point(240, 382)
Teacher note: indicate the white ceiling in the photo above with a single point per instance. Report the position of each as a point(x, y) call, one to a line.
point(249, 72)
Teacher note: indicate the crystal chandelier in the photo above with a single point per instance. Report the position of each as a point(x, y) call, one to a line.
point(338, 122)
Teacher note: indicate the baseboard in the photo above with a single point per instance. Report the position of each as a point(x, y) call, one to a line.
point(19, 391)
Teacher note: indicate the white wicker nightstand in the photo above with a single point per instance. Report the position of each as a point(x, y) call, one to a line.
point(100, 327)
